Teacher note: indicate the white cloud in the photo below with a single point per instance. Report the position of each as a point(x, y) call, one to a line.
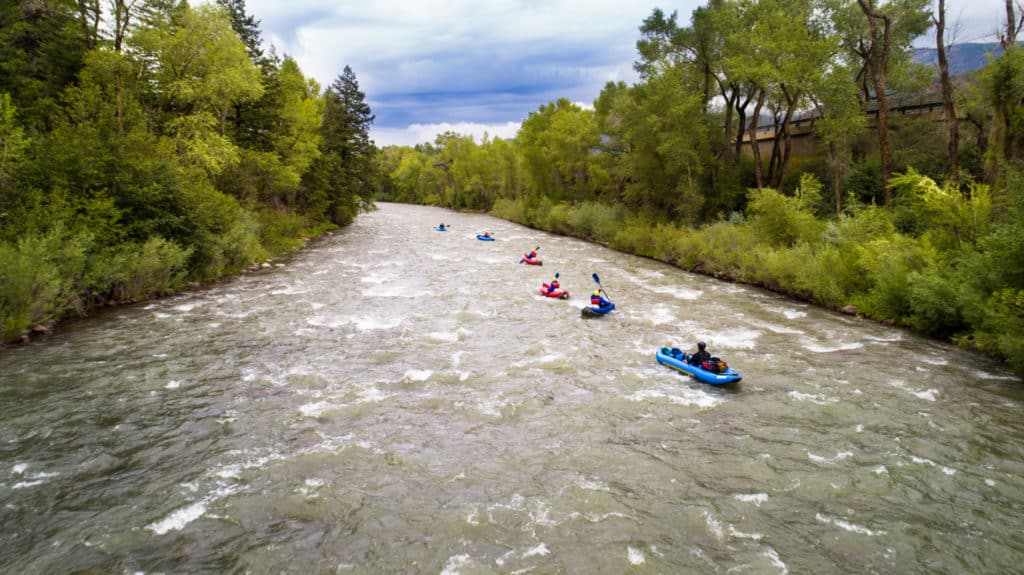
point(480, 65)
point(423, 133)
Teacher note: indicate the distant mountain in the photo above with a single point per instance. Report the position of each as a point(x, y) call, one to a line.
point(963, 58)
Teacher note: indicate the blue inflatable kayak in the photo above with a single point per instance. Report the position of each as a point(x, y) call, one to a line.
point(677, 360)
point(440, 229)
point(484, 238)
point(596, 311)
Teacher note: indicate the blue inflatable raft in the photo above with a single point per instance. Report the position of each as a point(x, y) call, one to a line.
point(677, 360)
point(596, 311)
point(440, 229)
point(484, 238)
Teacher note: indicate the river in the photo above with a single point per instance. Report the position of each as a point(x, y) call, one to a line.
point(396, 399)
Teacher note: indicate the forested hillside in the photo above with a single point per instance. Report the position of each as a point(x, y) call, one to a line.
point(910, 221)
point(146, 144)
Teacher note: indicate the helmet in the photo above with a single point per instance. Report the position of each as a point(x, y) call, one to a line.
point(556, 276)
point(597, 292)
point(701, 345)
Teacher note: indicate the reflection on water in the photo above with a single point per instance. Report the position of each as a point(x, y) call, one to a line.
point(397, 399)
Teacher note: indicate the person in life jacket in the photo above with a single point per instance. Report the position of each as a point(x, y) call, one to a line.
point(487, 234)
point(596, 299)
point(553, 284)
point(531, 255)
point(701, 356)
point(440, 227)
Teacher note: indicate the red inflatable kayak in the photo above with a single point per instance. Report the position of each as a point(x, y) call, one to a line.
point(532, 261)
point(559, 293)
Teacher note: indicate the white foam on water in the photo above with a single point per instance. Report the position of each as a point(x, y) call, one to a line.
point(395, 291)
point(187, 306)
point(595, 518)
point(781, 329)
point(178, 519)
point(159, 315)
point(816, 347)
point(991, 376)
point(159, 355)
point(443, 336)
point(457, 357)
point(733, 339)
point(317, 305)
point(491, 259)
point(853, 528)
point(332, 322)
point(463, 375)
point(741, 535)
point(290, 290)
point(541, 550)
point(592, 485)
point(830, 460)
point(636, 556)
point(372, 395)
point(418, 374)
point(990, 483)
point(928, 395)
point(369, 323)
point(948, 470)
point(454, 563)
point(715, 526)
point(814, 398)
point(893, 337)
point(674, 291)
point(859, 428)
point(659, 315)
point(24, 484)
point(19, 468)
point(756, 498)
point(373, 278)
point(315, 409)
point(773, 556)
point(173, 384)
point(700, 400)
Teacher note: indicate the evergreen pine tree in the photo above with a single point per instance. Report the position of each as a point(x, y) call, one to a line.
point(345, 168)
point(247, 27)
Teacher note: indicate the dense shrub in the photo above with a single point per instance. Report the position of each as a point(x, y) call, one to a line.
point(40, 278)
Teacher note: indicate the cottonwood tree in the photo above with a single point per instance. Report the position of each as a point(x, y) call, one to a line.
point(878, 35)
point(1005, 78)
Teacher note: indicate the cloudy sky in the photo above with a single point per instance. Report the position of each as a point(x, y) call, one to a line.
point(475, 66)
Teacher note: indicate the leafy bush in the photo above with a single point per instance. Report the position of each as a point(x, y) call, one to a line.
point(780, 220)
point(151, 269)
point(1003, 330)
point(39, 279)
point(889, 263)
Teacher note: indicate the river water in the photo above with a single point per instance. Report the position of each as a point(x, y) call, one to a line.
point(396, 399)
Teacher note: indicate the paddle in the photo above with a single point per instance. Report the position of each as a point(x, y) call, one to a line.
point(598, 281)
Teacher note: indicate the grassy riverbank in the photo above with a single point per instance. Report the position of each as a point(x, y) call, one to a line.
point(935, 281)
point(64, 274)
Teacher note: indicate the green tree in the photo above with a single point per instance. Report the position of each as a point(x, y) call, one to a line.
point(343, 174)
point(41, 49)
point(878, 36)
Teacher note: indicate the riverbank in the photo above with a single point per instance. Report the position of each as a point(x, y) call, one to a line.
point(858, 265)
point(275, 247)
